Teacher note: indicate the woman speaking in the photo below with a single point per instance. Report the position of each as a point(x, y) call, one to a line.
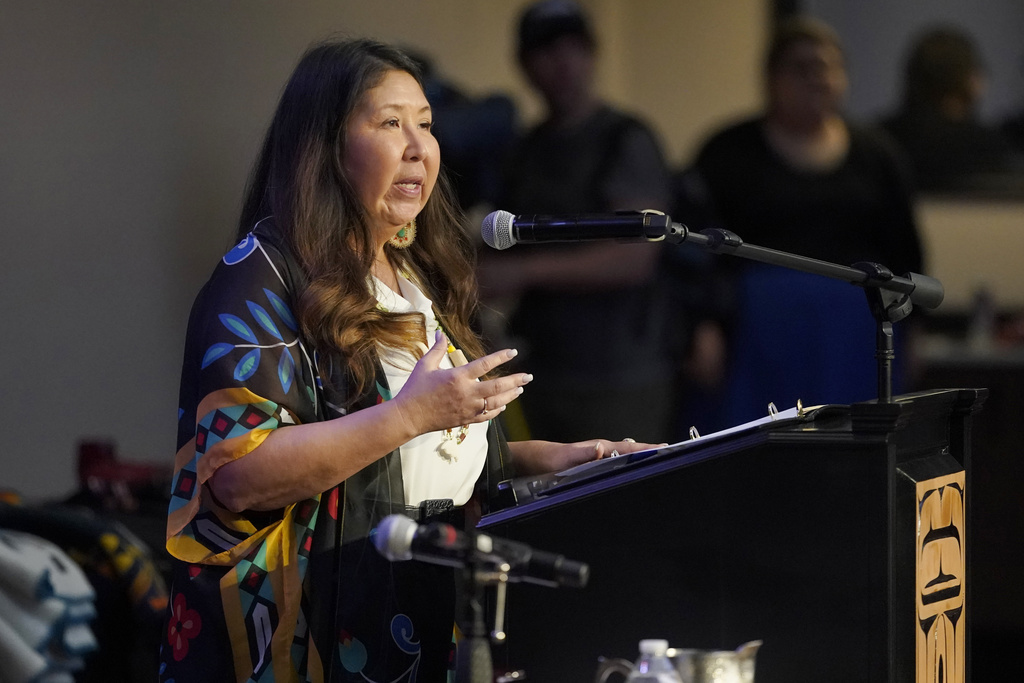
point(331, 378)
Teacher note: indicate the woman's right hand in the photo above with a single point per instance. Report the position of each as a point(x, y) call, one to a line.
point(436, 398)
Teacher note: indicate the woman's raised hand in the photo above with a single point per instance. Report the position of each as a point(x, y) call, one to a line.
point(434, 398)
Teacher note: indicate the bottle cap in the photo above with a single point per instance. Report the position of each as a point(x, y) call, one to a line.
point(654, 646)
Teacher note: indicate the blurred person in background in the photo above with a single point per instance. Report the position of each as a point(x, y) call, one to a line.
point(1012, 125)
point(801, 178)
point(938, 125)
point(585, 314)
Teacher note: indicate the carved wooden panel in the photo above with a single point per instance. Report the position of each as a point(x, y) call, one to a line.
point(941, 584)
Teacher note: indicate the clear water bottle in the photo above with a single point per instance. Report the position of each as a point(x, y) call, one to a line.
point(981, 328)
point(654, 666)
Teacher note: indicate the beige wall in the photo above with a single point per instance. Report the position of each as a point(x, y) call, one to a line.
point(688, 65)
point(126, 132)
point(972, 245)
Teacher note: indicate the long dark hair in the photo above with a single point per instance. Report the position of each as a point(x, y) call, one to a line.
point(299, 179)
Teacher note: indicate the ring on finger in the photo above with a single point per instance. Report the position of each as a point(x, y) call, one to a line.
point(629, 440)
point(485, 406)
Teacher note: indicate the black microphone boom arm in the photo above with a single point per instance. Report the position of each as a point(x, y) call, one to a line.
point(890, 297)
point(923, 290)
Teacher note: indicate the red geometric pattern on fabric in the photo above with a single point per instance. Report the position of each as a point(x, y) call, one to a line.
point(253, 579)
point(186, 484)
point(253, 417)
point(304, 511)
point(221, 424)
point(202, 437)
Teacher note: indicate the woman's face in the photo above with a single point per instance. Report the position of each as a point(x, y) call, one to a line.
point(391, 158)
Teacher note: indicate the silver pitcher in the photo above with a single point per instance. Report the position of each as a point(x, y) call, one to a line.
point(695, 666)
point(716, 666)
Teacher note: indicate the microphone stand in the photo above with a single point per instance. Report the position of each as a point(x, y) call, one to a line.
point(474, 662)
point(891, 298)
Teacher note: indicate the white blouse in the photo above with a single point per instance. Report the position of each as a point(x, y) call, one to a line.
point(427, 470)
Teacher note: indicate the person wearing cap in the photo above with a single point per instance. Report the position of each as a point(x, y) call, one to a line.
point(584, 311)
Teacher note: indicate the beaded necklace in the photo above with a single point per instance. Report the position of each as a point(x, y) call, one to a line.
point(451, 438)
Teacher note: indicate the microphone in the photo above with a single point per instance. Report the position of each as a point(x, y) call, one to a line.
point(501, 229)
point(399, 538)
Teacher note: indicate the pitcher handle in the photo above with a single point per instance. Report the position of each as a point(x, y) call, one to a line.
point(609, 667)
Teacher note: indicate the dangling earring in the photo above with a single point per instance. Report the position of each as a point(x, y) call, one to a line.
point(404, 237)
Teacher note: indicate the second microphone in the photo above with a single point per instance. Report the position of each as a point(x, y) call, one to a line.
point(400, 538)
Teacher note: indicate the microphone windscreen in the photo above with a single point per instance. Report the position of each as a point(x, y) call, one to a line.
point(496, 229)
point(393, 537)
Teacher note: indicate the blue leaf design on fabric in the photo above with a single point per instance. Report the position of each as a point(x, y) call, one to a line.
point(238, 326)
point(263, 318)
point(286, 370)
point(352, 653)
point(241, 250)
point(401, 633)
point(214, 352)
point(278, 304)
point(247, 366)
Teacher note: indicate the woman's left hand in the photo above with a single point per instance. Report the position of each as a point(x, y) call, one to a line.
point(536, 457)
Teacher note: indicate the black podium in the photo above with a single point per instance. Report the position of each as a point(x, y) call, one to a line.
point(839, 537)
